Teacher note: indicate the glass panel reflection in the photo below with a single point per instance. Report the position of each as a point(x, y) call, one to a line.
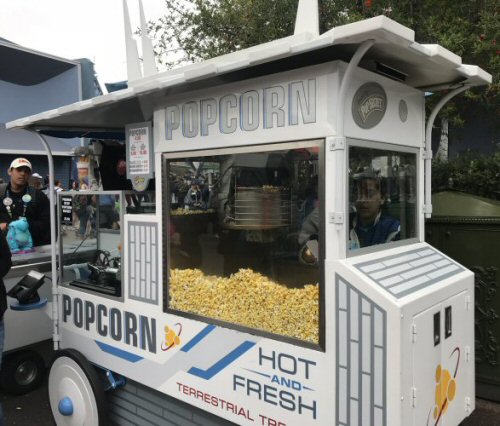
point(90, 226)
point(236, 249)
point(382, 196)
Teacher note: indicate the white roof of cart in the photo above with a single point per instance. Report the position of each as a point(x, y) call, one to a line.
point(423, 66)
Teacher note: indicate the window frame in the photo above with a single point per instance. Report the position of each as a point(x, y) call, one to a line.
point(165, 223)
point(361, 143)
point(65, 257)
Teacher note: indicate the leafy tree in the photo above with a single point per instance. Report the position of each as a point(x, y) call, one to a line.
point(470, 172)
point(196, 30)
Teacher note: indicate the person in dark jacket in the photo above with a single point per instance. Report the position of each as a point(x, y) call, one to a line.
point(370, 226)
point(18, 199)
point(5, 264)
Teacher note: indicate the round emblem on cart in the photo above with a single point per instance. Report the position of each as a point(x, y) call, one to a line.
point(369, 105)
point(26, 198)
point(7, 201)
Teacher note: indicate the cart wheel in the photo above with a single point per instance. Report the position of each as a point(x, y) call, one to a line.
point(76, 394)
point(22, 372)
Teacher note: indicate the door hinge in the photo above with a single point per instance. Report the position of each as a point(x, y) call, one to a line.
point(468, 408)
point(413, 397)
point(467, 354)
point(467, 303)
point(336, 217)
point(413, 333)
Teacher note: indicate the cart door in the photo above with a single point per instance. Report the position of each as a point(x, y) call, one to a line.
point(457, 320)
point(443, 370)
point(426, 357)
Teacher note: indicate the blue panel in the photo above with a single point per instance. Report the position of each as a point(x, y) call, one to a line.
point(120, 353)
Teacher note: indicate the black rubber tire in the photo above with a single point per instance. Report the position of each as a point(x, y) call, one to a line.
point(93, 378)
point(22, 372)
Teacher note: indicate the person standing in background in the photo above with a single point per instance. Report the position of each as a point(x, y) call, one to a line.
point(19, 200)
point(58, 186)
point(36, 181)
point(5, 264)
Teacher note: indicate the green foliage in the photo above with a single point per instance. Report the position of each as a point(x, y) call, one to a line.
point(203, 29)
point(470, 172)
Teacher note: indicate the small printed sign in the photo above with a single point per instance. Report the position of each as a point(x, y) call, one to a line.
point(67, 210)
point(139, 141)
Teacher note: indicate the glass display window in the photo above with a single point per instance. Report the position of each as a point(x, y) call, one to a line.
point(382, 196)
point(243, 247)
point(90, 237)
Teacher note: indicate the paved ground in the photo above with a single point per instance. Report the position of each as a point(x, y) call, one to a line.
point(487, 413)
point(33, 410)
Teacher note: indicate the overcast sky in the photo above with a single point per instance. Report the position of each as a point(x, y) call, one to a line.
point(76, 29)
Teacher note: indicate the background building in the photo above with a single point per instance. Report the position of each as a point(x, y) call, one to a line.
point(31, 82)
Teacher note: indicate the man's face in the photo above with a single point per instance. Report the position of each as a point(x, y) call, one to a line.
point(19, 177)
point(369, 200)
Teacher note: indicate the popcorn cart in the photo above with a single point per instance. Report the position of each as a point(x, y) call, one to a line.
point(260, 291)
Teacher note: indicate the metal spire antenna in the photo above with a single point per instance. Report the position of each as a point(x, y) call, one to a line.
point(133, 66)
point(307, 20)
point(148, 56)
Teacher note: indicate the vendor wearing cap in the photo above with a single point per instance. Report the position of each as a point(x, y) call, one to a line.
point(18, 200)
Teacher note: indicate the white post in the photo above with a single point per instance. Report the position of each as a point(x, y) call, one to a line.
point(55, 295)
point(339, 148)
point(148, 55)
point(442, 153)
point(133, 66)
point(307, 20)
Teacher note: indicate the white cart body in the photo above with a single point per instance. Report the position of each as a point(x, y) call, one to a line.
point(394, 319)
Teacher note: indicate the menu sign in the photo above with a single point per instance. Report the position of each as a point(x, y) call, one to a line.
point(66, 210)
point(139, 144)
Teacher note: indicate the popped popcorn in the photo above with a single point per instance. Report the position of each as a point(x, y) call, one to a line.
point(250, 299)
point(182, 212)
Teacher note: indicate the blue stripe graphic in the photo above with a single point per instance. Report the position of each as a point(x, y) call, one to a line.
point(222, 363)
point(120, 353)
point(198, 338)
point(258, 372)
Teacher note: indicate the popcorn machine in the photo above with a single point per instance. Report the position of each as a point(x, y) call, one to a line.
point(284, 278)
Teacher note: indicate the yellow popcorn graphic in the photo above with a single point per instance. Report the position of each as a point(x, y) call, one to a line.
point(446, 389)
point(172, 337)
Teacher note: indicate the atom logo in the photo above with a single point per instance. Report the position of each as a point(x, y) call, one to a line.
point(172, 337)
point(446, 389)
